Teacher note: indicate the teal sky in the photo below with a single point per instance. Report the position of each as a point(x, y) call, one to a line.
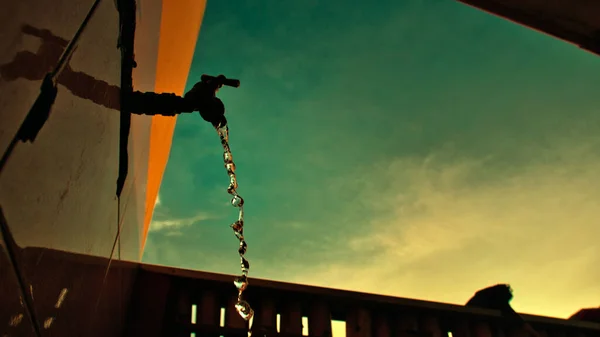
point(420, 149)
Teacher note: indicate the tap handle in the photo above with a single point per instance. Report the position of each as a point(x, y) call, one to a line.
point(221, 80)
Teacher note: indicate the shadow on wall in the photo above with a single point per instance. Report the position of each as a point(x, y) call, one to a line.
point(34, 66)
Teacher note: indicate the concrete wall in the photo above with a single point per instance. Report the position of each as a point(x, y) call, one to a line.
point(59, 191)
point(58, 194)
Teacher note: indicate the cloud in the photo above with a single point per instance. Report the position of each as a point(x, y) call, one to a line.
point(173, 225)
point(445, 228)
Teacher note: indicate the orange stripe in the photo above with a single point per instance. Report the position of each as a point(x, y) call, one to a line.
point(180, 26)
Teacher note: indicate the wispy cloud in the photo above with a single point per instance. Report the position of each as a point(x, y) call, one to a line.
point(174, 225)
point(444, 230)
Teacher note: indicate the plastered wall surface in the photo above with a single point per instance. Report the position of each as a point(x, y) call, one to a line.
point(59, 192)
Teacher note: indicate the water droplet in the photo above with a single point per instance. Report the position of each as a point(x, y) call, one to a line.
point(233, 185)
point(225, 147)
point(238, 226)
point(237, 201)
point(238, 229)
point(227, 157)
point(245, 265)
point(244, 309)
point(243, 247)
point(223, 133)
point(230, 167)
point(241, 282)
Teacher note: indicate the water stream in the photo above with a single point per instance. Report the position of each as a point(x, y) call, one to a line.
point(240, 282)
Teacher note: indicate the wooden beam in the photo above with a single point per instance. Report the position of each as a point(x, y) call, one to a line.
point(574, 21)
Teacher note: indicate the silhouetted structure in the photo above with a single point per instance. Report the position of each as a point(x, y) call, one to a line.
point(574, 21)
point(498, 297)
point(152, 301)
point(588, 315)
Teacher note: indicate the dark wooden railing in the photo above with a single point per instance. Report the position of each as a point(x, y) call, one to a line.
point(174, 302)
point(138, 300)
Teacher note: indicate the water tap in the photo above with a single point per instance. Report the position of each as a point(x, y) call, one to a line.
point(202, 97)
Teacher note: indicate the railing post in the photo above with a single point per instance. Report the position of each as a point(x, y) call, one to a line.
point(319, 320)
point(209, 310)
point(407, 324)
point(184, 306)
point(460, 327)
point(265, 319)
point(358, 323)
point(431, 326)
point(481, 329)
point(381, 325)
point(148, 307)
point(291, 317)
